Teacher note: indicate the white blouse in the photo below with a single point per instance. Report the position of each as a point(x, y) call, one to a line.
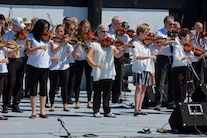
point(3, 66)
point(37, 59)
point(178, 53)
point(81, 51)
point(139, 66)
point(63, 64)
point(103, 55)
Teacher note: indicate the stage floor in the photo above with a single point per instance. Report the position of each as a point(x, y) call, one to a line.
point(81, 121)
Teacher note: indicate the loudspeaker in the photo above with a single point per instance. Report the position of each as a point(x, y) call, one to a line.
point(149, 99)
point(189, 118)
point(200, 94)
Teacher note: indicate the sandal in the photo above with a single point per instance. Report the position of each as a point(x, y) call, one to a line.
point(3, 118)
point(32, 117)
point(142, 113)
point(136, 113)
point(43, 116)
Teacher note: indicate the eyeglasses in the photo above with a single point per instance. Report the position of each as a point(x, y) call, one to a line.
point(72, 29)
point(171, 24)
point(104, 31)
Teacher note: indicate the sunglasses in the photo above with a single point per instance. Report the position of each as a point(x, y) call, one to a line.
point(105, 31)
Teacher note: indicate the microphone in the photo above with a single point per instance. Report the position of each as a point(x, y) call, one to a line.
point(60, 120)
point(62, 123)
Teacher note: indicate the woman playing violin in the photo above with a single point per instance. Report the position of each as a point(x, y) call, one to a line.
point(103, 71)
point(59, 69)
point(69, 30)
point(38, 65)
point(142, 67)
point(80, 63)
point(179, 66)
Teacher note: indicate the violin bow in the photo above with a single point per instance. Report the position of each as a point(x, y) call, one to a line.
point(188, 60)
point(181, 22)
point(8, 34)
point(50, 19)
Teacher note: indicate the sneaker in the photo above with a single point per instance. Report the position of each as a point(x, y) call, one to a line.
point(110, 115)
point(97, 115)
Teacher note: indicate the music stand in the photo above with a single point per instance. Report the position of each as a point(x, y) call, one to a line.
point(126, 70)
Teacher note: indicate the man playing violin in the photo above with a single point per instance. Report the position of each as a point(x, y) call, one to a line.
point(163, 65)
point(16, 65)
point(116, 24)
point(198, 41)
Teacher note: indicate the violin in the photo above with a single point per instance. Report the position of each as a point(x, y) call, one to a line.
point(22, 35)
point(173, 33)
point(151, 38)
point(202, 34)
point(197, 50)
point(11, 44)
point(88, 35)
point(130, 33)
point(59, 38)
point(121, 30)
point(46, 37)
point(107, 42)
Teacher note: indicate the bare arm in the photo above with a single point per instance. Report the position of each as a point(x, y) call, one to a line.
point(30, 50)
point(90, 61)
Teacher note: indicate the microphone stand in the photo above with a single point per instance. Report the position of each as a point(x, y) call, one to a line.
point(62, 123)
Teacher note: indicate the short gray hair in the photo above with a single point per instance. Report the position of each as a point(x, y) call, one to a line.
point(115, 18)
point(101, 26)
point(167, 17)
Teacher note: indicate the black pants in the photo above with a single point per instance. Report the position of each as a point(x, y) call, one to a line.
point(71, 80)
point(63, 77)
point(79, 65)
point(163, 69)
point(126, 61)
point(105, 86)
point(180, 77)
point(197, 66)
point(116, 89)
point(15, 77)
point(35, 75)
point(2, 76)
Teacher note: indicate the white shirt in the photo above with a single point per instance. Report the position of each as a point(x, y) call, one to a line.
point(20, 42)
point(139, 66)
point(178, 54)
point(82, 51)
point(125, 38)
point(3, 66)
point(37, 59)
point(63, 64)
point(103, 55)
point(166, 50)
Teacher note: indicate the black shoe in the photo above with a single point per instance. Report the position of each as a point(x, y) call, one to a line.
point(17, 109)
point(5, 109)
point(70, 101)
point(127, 90)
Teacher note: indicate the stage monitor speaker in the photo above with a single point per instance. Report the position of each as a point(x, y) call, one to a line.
point(189, 118)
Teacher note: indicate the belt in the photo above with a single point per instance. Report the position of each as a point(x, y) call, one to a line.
point(165, 56)
point(16, 58)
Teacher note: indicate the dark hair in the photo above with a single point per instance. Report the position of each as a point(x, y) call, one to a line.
point(2, 17)
point(183, 33)
point(39, 28)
